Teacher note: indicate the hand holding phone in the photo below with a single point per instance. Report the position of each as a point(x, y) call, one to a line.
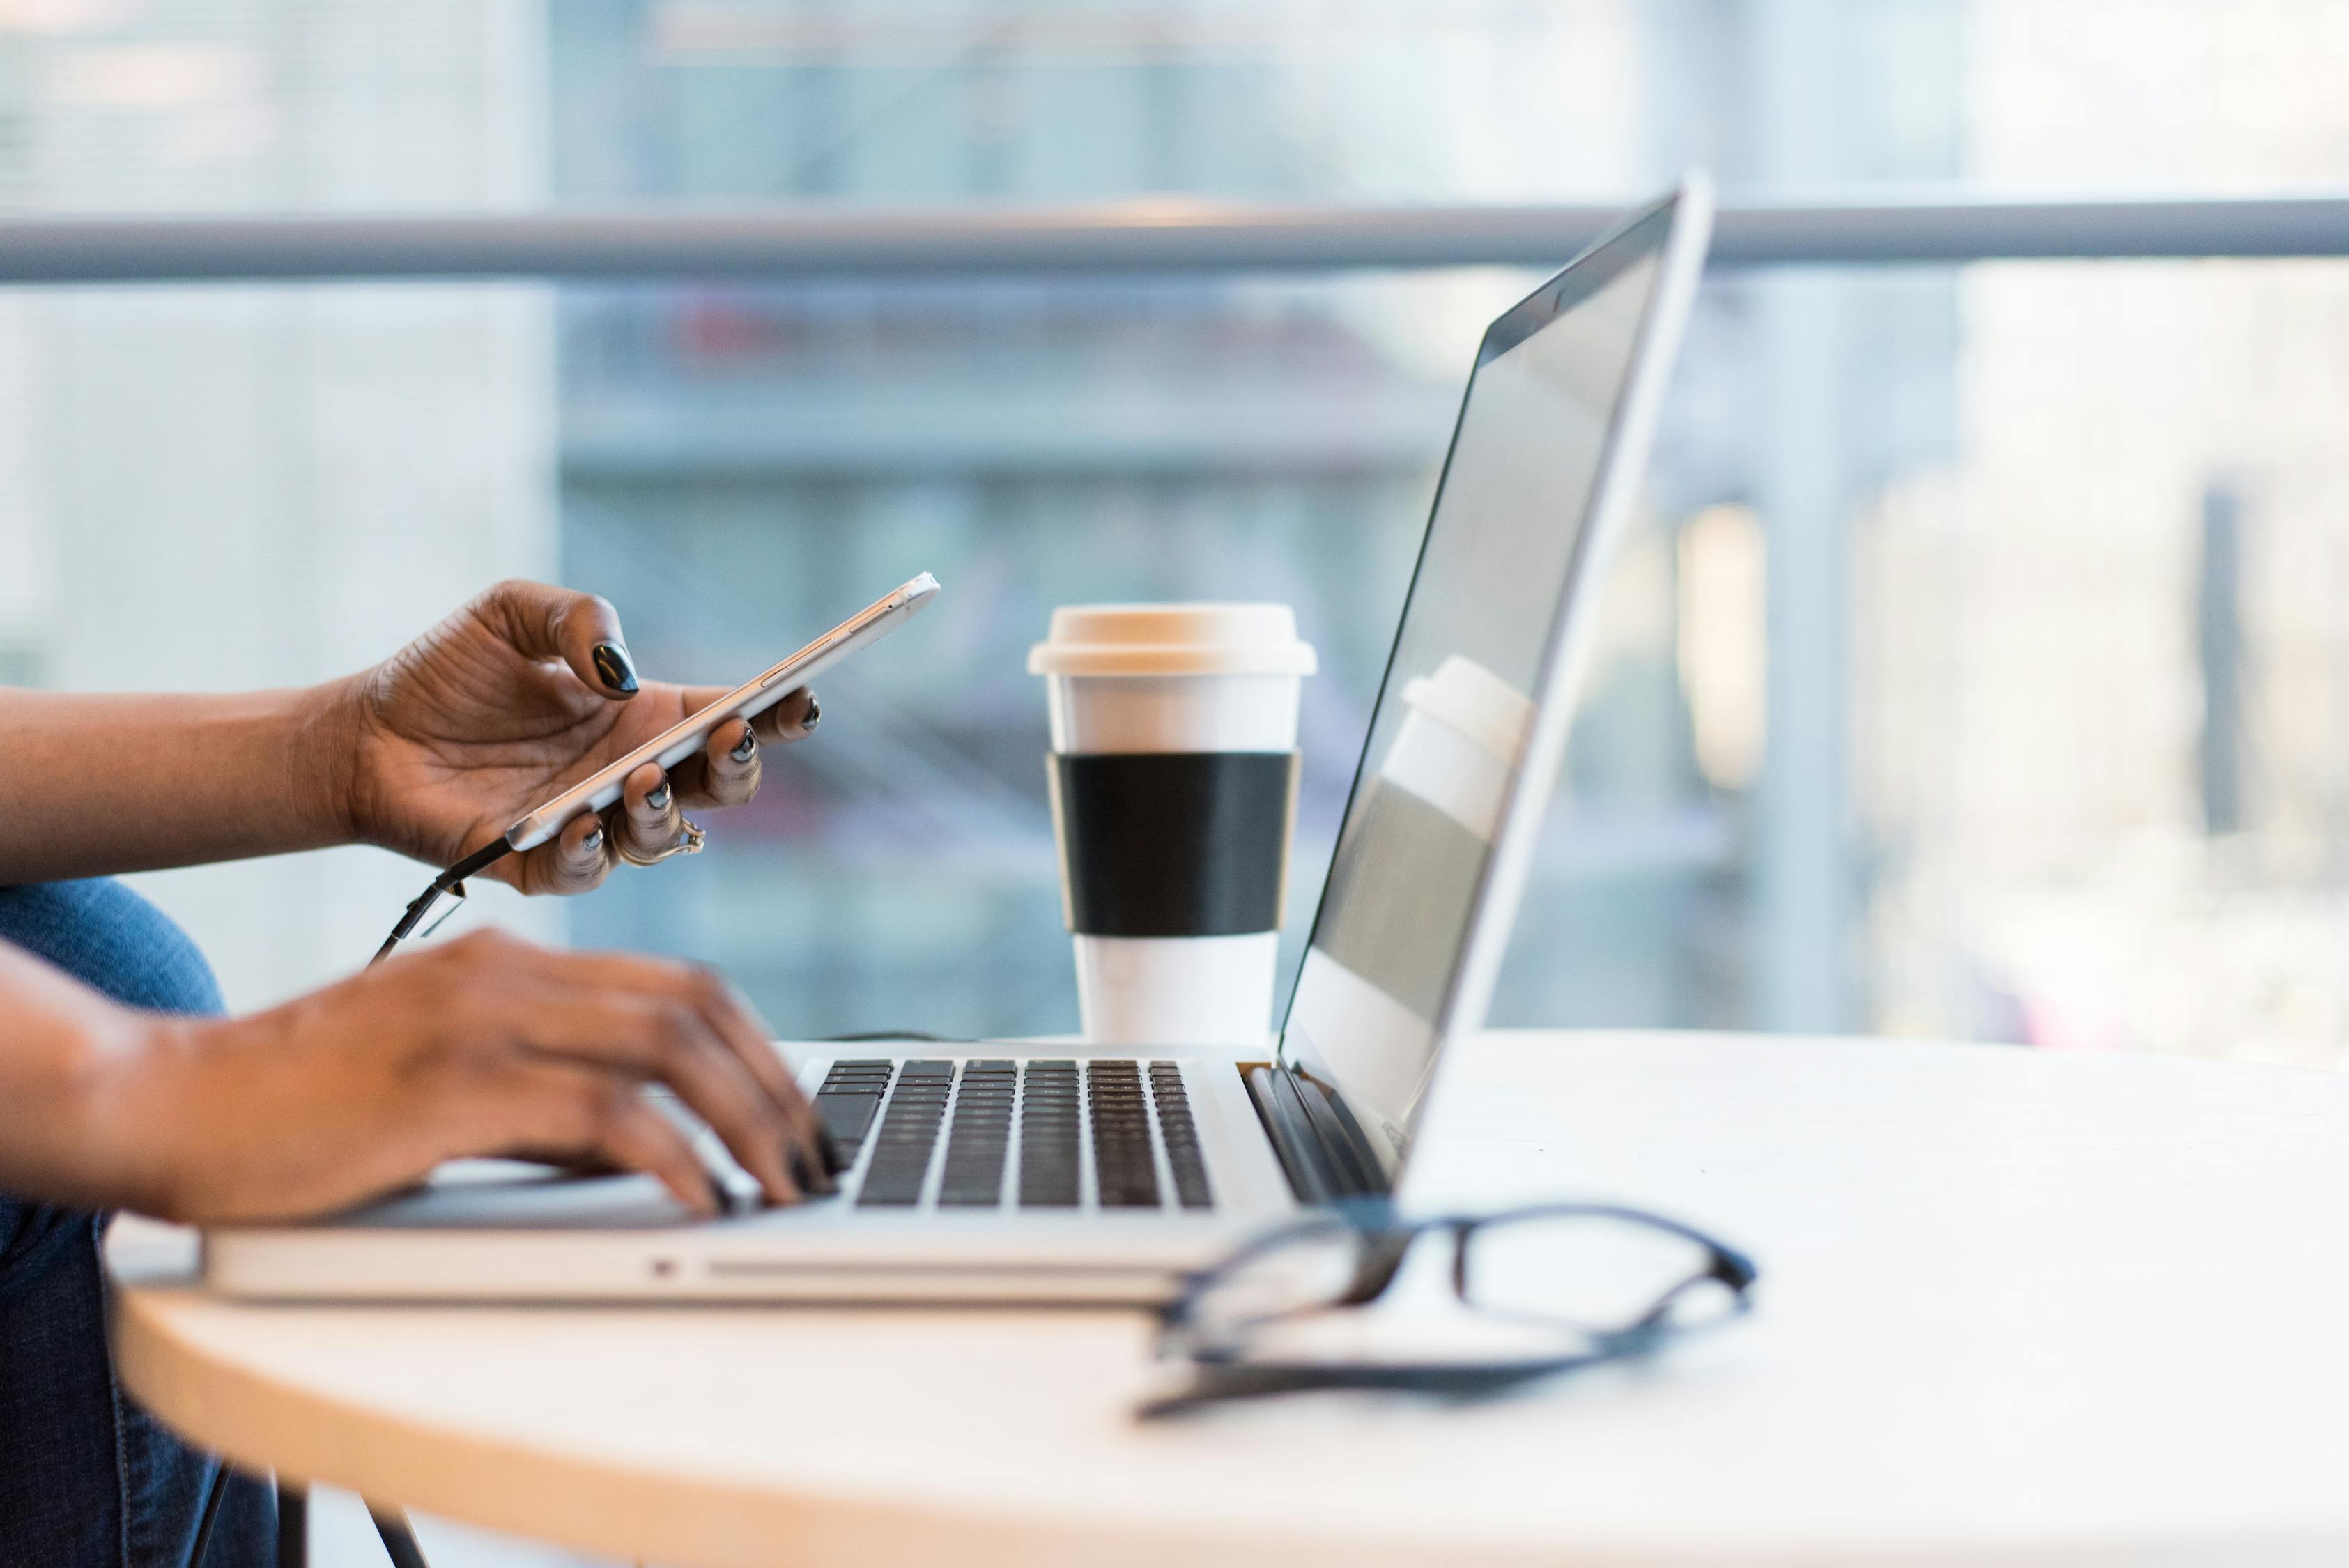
point(753, 697)
point(674, 745)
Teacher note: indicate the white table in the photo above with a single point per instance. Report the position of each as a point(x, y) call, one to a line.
point(2015, 1307)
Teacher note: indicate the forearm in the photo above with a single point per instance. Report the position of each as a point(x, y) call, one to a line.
point(91, 785)
point(63, 1051)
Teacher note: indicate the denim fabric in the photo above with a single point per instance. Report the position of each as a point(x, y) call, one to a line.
point(86, 1476)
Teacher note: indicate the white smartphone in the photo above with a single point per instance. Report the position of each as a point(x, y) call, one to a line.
point(754, 696)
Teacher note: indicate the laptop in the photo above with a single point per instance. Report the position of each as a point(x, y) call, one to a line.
point(1034, 1171)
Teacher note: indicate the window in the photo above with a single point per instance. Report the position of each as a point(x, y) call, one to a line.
point(1971, 673)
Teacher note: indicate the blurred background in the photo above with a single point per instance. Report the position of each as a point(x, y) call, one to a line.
point(1973, 672)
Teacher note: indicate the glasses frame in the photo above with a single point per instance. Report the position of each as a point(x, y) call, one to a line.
point(1225, 1371)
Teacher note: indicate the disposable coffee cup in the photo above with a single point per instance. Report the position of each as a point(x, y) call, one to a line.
point(1173, 783)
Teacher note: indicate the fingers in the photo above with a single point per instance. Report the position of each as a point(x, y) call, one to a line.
point(793, 719)
point(587, 1116)
point(729, 1020)
point(541, 621)
point(748, 1036)
point(576, 860)
point(729, 766)
point(635, 1019)
point(789, 720)
point(649, 817)
point(726, 773)
point(666, 1040)
point(728, 770)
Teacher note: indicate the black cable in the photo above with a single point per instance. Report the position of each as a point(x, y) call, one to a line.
point(213, 1490)
point(452, 881)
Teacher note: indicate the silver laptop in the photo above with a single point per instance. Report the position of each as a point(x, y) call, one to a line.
point(1031, 1172)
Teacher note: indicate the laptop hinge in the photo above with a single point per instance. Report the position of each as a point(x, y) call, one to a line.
point(1319, 1144)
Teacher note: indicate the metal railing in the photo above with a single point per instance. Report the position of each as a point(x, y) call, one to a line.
point(1139, 237)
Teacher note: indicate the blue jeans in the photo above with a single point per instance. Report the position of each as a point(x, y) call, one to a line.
point(86, 1476)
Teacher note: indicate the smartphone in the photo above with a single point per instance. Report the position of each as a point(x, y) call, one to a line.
point(754, 696)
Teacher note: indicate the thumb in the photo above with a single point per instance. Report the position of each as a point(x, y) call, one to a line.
point(540, 621)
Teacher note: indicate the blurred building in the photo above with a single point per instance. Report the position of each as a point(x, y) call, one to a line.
point(1975, 672)
point(232, 487)
point(2106, 779)
point(742, 464)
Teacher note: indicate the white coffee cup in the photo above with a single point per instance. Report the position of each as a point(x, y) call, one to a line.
point(1174, 794)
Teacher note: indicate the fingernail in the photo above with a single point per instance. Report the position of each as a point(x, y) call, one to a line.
point(746, 748)
point(619, 673)
point(658, 799)
point(815, 711)
point(829, 1147)
point(801, 1176)
point(594, 839)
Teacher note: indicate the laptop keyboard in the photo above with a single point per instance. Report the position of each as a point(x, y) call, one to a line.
point(1047, 1137)
point(1025, 1133)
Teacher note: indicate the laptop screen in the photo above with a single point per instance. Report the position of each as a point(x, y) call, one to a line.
point(1448, 737)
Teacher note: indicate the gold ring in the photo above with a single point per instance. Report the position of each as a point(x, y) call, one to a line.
point(688, 842)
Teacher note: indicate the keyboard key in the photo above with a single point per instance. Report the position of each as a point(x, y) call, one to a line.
point(904, 1142)
point(850, 1096)
point(979, 1140)
point(1047, 1136)
point(1124, 1172)
point(1184, 1158)
point(846, 1116)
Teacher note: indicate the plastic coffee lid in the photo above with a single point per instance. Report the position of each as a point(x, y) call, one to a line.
point(1471, 699)
point(1173, 640)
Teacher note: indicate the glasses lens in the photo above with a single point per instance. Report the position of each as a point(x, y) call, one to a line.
point(1590, 1271)
point(1310, 1267)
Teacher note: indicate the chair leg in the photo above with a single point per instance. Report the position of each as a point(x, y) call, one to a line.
point(399, 1541)
point(293, 1526)
point(294, 1531)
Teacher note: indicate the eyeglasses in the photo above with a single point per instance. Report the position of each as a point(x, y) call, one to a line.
point(1545, 1290)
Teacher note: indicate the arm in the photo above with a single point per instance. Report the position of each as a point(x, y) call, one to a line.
point(433, 752)
point(98, 785)
point(484, 1046)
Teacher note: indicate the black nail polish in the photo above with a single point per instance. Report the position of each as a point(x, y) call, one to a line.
point(746, 748)
point(658, 799)
point(815, 713)
point(619, 673)
point(594, 839)
point(801, 1175)
point(829, 1147)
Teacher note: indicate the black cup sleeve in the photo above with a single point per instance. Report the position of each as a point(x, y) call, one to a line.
point(1173, 844)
